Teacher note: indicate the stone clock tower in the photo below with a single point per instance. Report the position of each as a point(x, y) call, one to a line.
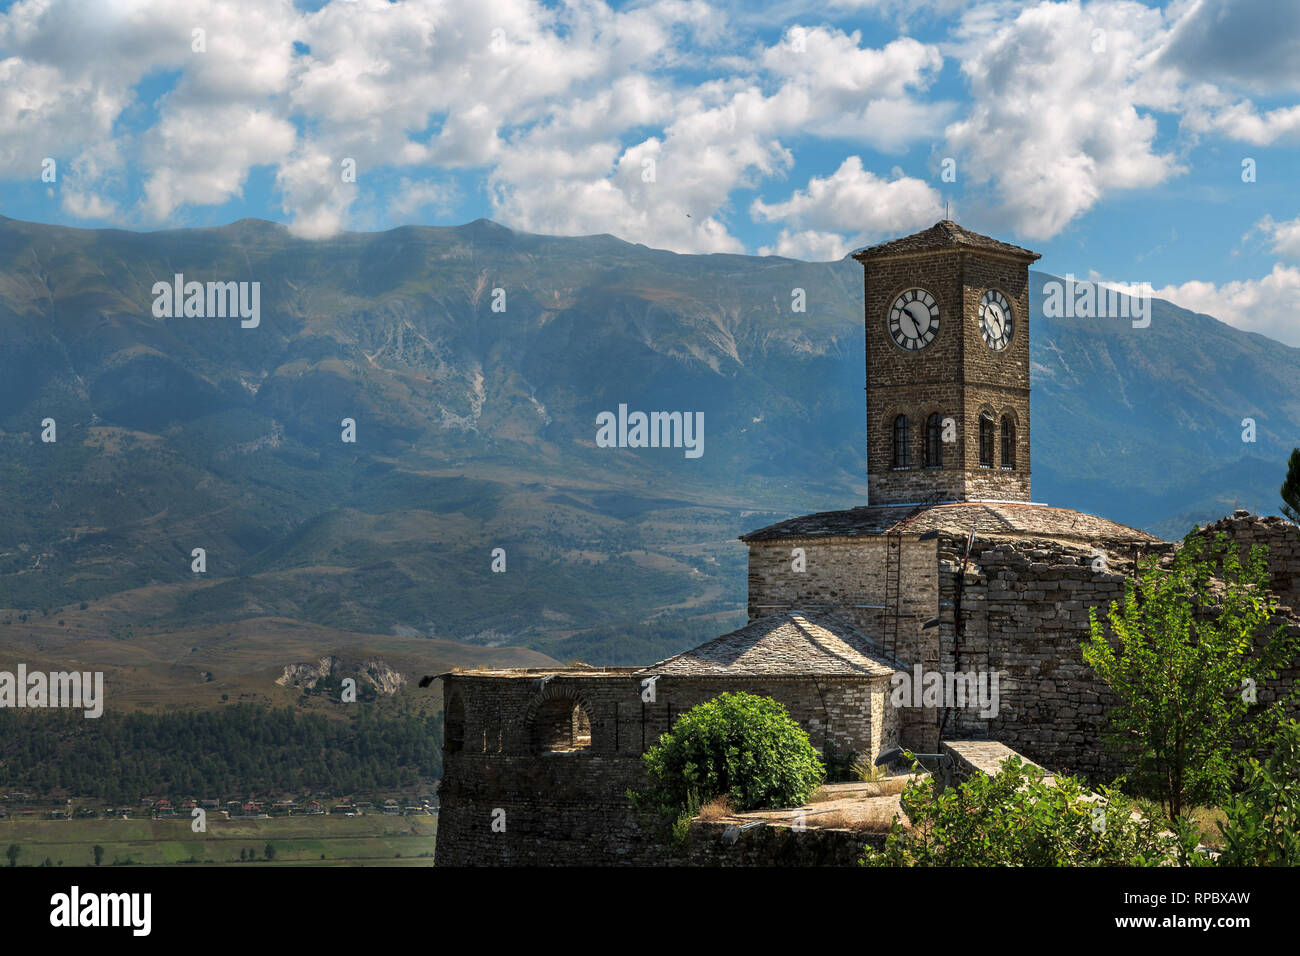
point(947, 323)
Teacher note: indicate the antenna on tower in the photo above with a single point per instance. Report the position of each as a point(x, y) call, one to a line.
point(945, 210)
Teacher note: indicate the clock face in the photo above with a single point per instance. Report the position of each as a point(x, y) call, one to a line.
point(914, 319)
point(996, 323)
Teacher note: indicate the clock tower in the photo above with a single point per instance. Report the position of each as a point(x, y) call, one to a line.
point(947, 326)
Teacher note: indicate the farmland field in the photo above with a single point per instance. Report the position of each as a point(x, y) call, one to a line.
point(372, 840)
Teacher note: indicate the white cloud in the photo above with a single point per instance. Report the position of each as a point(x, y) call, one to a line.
point(1265, 305)
point(87, 205)
point(808, 244)
point(413, 195)
point(1062, 112)
point(851, 201)
point(558, 106)
point(202, 155)
point(1283, 237)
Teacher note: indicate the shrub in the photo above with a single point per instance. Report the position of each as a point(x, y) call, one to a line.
point(740, 745)
point(1019, 818)
point(1262, 826)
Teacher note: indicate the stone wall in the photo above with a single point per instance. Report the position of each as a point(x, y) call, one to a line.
point(1024, 615)
point(1281, 537)
point(847, 576)
point(1020, 610)
point(569, 806)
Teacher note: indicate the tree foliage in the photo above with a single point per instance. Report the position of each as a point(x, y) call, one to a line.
point(1290, 489)
point(1262, 825)
point(243, 748)
point(1186, 651)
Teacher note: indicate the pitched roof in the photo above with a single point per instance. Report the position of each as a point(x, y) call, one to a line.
point(945, 234)
point(1022, 519)
point(789, 644)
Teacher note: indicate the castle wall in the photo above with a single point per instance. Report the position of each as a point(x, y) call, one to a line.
point(1024, 614)
point(1281, 537)
point(1024, 611)
point(570, 807)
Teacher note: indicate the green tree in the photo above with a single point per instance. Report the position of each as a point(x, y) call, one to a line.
point(742, 745)
point(1020, 817)
point(12, 853)
point(1262, 825)
point(99, 854)
point(1191, 644)
point(1291, 487)
point(269, 852)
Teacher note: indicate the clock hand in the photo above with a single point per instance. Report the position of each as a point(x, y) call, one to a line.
point(916, 323)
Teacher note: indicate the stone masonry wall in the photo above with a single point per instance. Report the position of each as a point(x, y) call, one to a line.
point(1024, 614)
point(571, 807)
point(1281, 537)
point(847, 577)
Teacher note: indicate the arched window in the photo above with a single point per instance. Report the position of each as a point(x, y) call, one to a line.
point(986, 441)
point(902, 442)
point(1008, 443)
point(453, 725)
point(934, 441)
point(561, 726)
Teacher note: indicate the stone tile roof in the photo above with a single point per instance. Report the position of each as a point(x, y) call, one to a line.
point(945, 234)
point(789, 644)
point(1020, 519)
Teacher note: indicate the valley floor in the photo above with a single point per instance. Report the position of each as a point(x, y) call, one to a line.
point(373, 840)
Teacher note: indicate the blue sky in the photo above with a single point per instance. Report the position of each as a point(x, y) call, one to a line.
point(1109, 136)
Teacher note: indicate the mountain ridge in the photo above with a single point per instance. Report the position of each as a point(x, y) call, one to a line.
point(476, 427)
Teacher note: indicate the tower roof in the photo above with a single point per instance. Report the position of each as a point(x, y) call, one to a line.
point(789, 644)
point(944, 234)
point(1016, 519)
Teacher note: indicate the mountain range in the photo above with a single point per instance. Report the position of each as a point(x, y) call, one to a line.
point(474, 361)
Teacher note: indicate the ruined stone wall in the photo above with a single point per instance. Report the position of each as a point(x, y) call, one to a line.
point(1024, 614)
point(570, 806)
point(1281, 537)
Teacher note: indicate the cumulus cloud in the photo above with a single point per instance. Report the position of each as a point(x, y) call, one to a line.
point(1283, 237)
point(1062, 110)
point(848, 209)
point(643, 121)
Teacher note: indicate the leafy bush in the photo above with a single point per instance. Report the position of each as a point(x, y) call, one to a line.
point(1181, 670)
point(741, 745)
point(1019, 818)
point(1263, 821)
